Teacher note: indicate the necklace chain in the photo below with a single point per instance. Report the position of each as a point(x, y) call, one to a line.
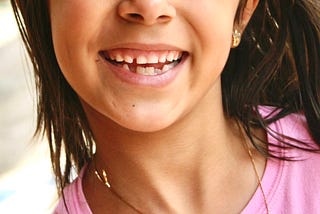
point(104, 179)
point(258, 178)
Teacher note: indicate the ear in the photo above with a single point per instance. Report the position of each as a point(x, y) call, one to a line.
point(249, 9)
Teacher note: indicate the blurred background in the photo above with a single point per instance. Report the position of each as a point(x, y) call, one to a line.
point(26, 181)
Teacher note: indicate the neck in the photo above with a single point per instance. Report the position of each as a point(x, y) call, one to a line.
point(185, 164)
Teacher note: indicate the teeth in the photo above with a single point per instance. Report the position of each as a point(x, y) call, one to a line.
point(178, 56)
point(170, 57)
point(153, 58)
point(119, 58)
point(126, 67)
point(157, 71)
point(168, 67)
point(128, 59)
point(148, 71)
point(163, 58)
point(112, 57)
point(142, 60)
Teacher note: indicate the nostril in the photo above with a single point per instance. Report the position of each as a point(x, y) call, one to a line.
point(146, 12)
point(164, 18)
point(138, 17)
point(135, 16)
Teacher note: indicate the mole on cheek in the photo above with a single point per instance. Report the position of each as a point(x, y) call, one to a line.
point(133, 105)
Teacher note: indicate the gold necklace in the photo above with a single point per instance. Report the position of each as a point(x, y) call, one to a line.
point(258, 178)
point(104, 179)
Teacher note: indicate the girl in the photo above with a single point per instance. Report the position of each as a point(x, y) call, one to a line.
point(159, 111)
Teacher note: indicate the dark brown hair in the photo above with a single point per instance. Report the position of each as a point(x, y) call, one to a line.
point(276, 64)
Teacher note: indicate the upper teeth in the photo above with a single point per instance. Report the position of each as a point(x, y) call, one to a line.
point(151, 58)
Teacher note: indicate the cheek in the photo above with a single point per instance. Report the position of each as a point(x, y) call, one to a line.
point(213, 36)
point(74, 26)
point(217, 31)
point(213, 28)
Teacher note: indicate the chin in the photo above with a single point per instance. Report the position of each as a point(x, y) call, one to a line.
point(146, 124)
point(146, 119)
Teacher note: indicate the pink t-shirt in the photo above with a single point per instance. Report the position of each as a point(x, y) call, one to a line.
point(290, 187)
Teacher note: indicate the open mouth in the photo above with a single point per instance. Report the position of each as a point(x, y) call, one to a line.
point(148, 63)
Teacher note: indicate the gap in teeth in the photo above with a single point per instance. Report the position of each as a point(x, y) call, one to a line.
point(169, 56)
point(149, 70)
point(152, 64)
point(143, 61)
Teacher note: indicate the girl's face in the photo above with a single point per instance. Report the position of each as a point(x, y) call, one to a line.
point(144, 64)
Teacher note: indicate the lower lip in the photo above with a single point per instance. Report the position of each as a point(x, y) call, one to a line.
point(158, 81)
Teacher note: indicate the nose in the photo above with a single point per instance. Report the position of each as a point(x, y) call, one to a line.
point(146, 12)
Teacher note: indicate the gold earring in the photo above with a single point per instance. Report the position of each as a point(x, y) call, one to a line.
point(236, 39)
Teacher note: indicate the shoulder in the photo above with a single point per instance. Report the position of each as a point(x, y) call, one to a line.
point(291, 128)
point(73, 200)
point(297, 187)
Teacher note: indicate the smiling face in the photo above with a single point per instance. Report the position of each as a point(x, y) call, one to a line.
point(144, 64)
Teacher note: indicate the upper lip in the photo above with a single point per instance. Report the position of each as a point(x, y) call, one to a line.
point(146, 47)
